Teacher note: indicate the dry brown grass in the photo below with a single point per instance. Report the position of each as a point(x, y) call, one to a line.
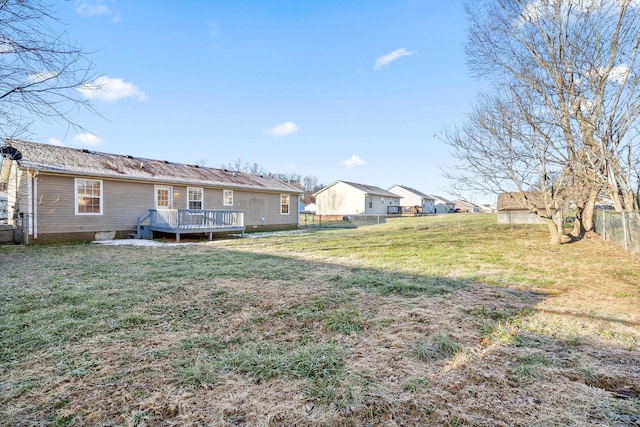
point(216, 334)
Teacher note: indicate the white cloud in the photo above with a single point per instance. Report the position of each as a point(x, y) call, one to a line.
point(353, 161)
point(283, 129)
point(109, 89)
point(86, 139)
point(89, 9)
point(538, 9)
point(389, 58)
point(619, 73)
point(41, 77)
point(54, 141)
point(7, 46)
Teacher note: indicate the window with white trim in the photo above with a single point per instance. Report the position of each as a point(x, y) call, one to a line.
point(227, 197)
point(88, 195)
point(164, 197)
point(284, 204)
point(195, 198)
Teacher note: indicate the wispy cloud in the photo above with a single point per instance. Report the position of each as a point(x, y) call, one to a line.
point(390, 57)
point(86, 139)
point(54, 141)
point(41, 77)
point(109, 89)
point(283, 129)
point(353, 162)
point(89, 9)
point(620, 73)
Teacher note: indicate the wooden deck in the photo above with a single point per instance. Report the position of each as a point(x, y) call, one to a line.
point(191, 221)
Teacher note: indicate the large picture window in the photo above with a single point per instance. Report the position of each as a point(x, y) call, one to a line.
point(227, 197)
point(284, 204)
point(88, 196)
point(195, 196)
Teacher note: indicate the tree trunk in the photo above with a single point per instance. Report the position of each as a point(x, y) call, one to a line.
point(579, 224)
point(555, 230)
point(587, 215)
point(584, 216)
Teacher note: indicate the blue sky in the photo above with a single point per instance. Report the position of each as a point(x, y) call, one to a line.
point(341, 90)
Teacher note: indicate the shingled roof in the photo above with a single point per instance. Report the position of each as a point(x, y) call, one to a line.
point(417, 192)
point(72, 161)
point(371, 189)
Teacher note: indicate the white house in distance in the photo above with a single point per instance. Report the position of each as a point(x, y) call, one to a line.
point(412, 197)
point(349, 198)
point(443, 205)
point(469, 207)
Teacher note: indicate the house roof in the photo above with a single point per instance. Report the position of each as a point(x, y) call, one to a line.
point(64, 160)
point(442, 199)
point(367, 189)
point(513, 201)
point(414, 191)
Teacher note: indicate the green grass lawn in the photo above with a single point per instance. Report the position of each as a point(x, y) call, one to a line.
point(442, 320)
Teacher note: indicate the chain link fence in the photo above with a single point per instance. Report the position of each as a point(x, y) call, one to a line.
point(309, 220)
point(622, 228)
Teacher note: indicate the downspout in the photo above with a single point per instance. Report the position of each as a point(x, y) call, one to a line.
point(29, 206)
point(35, 205)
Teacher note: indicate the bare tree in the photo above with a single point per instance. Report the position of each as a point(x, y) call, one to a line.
point(40, 69)
point(503, 152)
point(240, 165)
point(308, 184)
point(569, 70)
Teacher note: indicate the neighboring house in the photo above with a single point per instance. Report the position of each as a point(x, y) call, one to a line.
point(443, 205)
point(64, 194)
point(310, 208)
point(348, 198)
point(468, 207)
point(411, 198)
point(511, 209)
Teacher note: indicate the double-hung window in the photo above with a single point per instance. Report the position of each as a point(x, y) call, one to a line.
point(195, 198)
point(88, 196)
point(284, 204)
point(227, 197)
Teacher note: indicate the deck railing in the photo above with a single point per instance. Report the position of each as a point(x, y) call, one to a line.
point(183, 221)
point(196, 219)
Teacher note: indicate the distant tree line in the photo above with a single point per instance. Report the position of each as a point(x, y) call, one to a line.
point(308, 184)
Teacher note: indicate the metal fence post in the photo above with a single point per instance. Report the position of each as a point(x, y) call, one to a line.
point(625, 231)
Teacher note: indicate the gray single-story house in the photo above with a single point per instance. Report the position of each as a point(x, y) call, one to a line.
point(349, 198)
point(412, 198)
point(58, 194)
point(444, 205)
point(469, 207)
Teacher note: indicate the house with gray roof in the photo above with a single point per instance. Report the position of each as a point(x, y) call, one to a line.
point(65, 194)
point(444, 205)
point(412, 198)
point(349, 198)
